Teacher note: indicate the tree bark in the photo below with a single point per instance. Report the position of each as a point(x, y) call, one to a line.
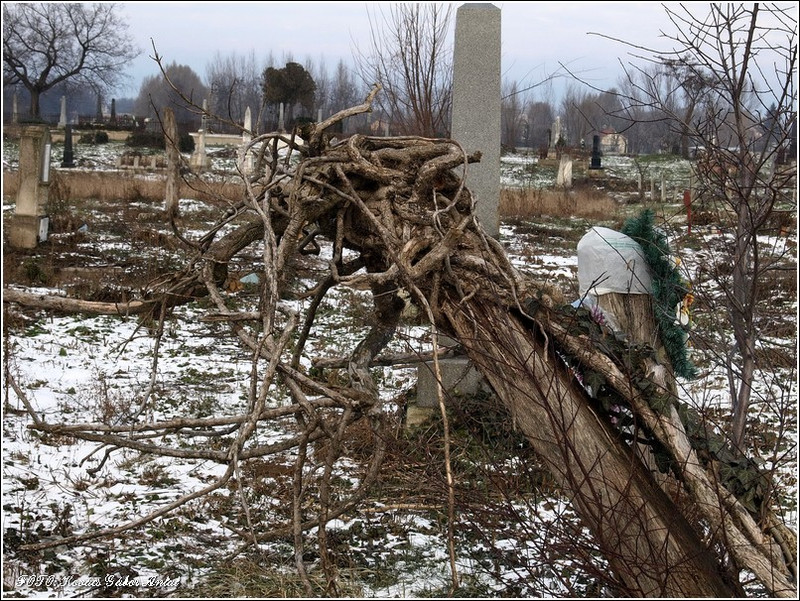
point(74, 305)
point(647, 542)
point(172, 186)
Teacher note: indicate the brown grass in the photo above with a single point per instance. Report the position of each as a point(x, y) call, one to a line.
point(578, 202)
point(107, 186)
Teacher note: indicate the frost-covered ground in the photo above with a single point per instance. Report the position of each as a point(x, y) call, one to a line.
point(79, 368)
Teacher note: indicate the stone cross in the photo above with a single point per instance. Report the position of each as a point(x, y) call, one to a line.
point(476, 104)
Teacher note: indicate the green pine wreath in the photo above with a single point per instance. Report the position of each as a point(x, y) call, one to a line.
point(669, 289)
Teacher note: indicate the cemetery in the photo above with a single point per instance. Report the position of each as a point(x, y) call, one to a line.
point(288, 364)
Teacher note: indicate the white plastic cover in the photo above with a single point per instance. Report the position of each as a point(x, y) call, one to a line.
point(609, 261)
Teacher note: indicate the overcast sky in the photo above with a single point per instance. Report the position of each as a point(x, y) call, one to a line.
point(536, 36)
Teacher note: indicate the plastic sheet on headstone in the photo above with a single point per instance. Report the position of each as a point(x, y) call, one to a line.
point(610, 261)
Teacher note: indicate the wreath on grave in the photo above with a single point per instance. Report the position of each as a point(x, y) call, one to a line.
point(671, 293)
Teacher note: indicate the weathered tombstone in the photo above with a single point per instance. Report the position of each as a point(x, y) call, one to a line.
point(281, 126)
point(556, 133)
point(171, 190)
point(476, 126)
point(476, 104)
point(113, 117)
point(564, 175)
point(204, 116)
point(199, 159)
point(68, 160)
point(245, 155)
point(595, 163)
point(15, 109)
point(30, 223)
point(62, 120)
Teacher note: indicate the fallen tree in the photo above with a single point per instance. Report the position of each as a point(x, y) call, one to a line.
point(401, 205)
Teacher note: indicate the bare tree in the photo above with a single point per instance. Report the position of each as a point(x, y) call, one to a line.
point(739, 62)
point(514, 114)
point(410, 58)
point(234, 83)
point(540, 118)
point(159, 91)
point(46, 44)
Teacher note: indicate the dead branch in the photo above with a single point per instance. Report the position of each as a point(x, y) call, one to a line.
point(75, 305)
point(401, 206)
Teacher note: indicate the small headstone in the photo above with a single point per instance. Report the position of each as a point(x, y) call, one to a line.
point(199, 158)
point(595, 163)
point(248, 122)
point(564, 176)
point(69, 159)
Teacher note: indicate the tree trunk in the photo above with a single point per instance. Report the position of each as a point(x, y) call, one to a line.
point(173, 164)
point(648, 543)
point(35, 106)
point(75, 305)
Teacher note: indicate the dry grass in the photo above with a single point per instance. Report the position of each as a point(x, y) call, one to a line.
point(578, 202)
point(108, 186)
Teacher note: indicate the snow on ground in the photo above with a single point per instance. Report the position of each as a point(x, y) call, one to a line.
point(80, 368)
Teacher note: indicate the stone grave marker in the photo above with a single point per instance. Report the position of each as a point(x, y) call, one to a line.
point(30, 223)
point(476, 126)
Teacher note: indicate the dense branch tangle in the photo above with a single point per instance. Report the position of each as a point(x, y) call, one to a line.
point(400, 204)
